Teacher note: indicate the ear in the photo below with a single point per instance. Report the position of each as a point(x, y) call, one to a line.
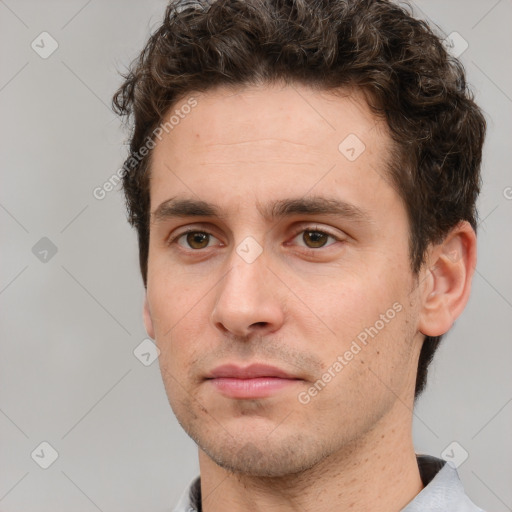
point(447, 283)
point(146, 315)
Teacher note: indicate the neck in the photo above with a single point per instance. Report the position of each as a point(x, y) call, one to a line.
point(378, 472)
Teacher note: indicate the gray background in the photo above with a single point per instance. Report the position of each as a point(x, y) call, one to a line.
point(68, 375)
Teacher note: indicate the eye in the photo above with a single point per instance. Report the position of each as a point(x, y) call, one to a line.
point(194, 239)
point(309, 238)
point(314, 238)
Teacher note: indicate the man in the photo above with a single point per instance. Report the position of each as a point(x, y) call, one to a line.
point(302, 178)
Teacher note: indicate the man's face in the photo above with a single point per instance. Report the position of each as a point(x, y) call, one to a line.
point(277, 276)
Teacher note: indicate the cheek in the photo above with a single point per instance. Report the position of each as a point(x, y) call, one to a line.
point(347, 303)
point(372, 366)
point(390, 351)
point(179, 314)
point(173, 295)
point(371, 325)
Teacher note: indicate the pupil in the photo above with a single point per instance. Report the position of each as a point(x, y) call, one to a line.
point(316, 238)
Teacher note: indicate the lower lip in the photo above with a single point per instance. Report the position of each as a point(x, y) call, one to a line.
point(257, 387)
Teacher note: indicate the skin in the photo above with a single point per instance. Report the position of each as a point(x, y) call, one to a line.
point(294, 307)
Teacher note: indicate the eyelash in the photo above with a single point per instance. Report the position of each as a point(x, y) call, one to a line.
point(313, 229)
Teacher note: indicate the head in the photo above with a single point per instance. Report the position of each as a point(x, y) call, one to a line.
point(324, 158)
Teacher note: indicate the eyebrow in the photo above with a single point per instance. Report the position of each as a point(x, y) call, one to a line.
point(184, 207)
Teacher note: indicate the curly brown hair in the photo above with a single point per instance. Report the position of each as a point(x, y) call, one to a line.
point(398, 62)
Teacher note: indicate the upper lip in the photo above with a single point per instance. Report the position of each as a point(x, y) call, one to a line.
point(248, 372)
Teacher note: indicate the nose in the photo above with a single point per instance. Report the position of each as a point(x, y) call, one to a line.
point(247, 301)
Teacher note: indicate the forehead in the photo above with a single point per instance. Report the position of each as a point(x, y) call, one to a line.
point(229, 115)
point(260, 141)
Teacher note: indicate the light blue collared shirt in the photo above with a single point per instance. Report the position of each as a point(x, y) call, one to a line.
point(443, 491)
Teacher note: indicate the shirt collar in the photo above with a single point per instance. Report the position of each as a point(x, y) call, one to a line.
point(442, 491)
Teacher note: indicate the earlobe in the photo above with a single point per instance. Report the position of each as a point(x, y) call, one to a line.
point(447, 284)
point(146, 315)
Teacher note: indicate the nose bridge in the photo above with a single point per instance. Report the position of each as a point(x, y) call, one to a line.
point(249, 268)
point(247, 263)
point(246, 298)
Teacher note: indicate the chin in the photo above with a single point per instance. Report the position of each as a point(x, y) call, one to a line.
point(262, 458)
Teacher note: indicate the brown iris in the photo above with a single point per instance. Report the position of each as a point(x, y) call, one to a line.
point(315, 238)
point(197, 240)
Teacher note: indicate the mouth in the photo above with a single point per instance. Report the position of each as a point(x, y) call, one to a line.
point(250, 382)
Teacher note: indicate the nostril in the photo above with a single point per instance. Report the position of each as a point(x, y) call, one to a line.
point(259, 324)
point(221, 327)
